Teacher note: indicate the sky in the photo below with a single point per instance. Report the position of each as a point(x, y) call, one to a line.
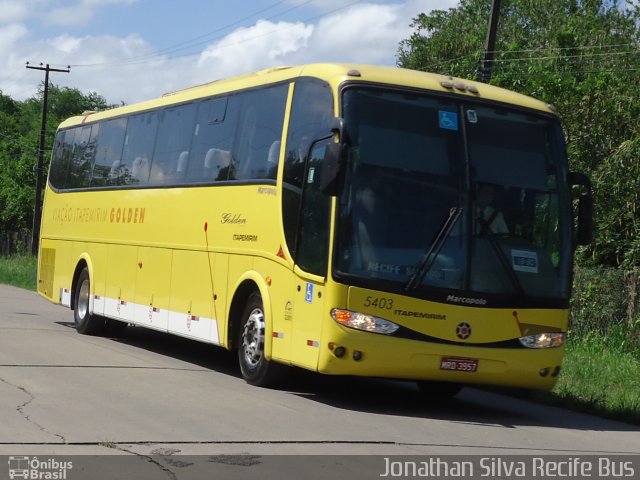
point(133, 50)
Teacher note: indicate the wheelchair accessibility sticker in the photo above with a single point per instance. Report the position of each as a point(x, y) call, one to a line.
point(308, 296)
point(448, 120)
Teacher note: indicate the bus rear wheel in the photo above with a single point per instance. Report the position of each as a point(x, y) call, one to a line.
point(255, 368)
point(85, 322)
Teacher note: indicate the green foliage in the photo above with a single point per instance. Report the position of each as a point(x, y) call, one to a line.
point(606, 307)
point(600, 377)
point(617, 195)
point(583, 57)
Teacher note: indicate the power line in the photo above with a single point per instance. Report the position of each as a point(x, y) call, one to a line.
point(589, 58)
point(579, 47)
point(189, 44)
point(566, 57)
point(576, 72)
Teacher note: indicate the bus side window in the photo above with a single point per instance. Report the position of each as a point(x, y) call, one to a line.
point(82, 157)
point(139, 142)
point(108, 152)
point(311, 114)
point(210, 153)
point(58, 172)
point(172, 145)
point(260, 127)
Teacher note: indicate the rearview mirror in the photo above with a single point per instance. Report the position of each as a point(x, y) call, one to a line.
point(584, 233)
point(334, 160)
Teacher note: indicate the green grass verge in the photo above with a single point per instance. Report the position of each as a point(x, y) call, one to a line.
point(19, 270)
point(600, 377)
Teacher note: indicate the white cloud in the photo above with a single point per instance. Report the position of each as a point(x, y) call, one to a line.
point(363, 34)
point(246, 49)
point(10, 35)
point(13, 11)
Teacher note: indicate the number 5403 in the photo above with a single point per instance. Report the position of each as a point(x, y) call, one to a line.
point(379, 302)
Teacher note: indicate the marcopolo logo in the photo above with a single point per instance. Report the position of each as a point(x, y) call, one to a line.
point(466, 300)
point(37, 469)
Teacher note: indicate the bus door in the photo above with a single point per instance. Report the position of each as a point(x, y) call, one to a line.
point(311, 262)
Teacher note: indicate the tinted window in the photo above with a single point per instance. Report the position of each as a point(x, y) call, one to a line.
point(84, 153)
point(311, 115)
point(238, 137)
point(57, 173)
point(109, 151)
point(226, 138)
point(171, 155)
point(138, 150)
point(212, 141)
point(313, 242)
point(259, 133)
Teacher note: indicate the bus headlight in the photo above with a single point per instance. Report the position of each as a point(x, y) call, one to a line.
point(362, 321)
point(543, 340)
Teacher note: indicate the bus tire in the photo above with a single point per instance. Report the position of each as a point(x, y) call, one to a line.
point(85, 322)
point(255, 368)
point(436, 392)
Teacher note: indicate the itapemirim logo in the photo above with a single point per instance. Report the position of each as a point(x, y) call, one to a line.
point(32, 468)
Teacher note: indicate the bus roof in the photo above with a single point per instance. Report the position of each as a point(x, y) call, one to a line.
point(332, 73)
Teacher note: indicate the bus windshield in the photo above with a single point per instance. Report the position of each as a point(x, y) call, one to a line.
point(445, 195)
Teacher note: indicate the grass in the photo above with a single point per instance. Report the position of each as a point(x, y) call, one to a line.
point(600, 377)
point(599, 374)
point(19, 270)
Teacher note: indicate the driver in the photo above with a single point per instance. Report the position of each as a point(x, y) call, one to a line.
point(488, 219)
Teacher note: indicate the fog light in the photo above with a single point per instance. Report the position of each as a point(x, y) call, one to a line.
point(544, 372)
point(339, 352)
point(556, 371)
point(543, 340)
point(357, 356)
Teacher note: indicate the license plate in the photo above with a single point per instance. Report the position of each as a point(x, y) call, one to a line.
point(459, 364)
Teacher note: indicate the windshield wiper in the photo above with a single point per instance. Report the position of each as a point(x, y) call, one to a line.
point(504, 261)
point(429, 258)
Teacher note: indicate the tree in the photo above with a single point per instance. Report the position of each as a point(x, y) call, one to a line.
point(582, 56)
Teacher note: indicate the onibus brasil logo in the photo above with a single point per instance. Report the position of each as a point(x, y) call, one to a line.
point(34, 469)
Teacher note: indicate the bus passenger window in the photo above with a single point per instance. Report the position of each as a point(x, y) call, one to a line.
point(172, 145)
point(57, 172)
point(108, 152)
point(212, 139)
point(139, 140)
point(261, 126)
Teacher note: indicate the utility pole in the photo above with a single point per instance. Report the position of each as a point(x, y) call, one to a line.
point(37, 211)
point(489, 53)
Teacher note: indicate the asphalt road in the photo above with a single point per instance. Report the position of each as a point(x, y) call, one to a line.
point(153, 394)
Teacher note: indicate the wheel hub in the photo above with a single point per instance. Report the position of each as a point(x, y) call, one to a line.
point(253, 338)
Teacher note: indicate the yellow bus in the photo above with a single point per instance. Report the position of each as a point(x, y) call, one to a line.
point(346, 219)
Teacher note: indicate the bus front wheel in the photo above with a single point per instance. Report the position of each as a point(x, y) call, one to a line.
point(255, 368)
point(85, 322)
